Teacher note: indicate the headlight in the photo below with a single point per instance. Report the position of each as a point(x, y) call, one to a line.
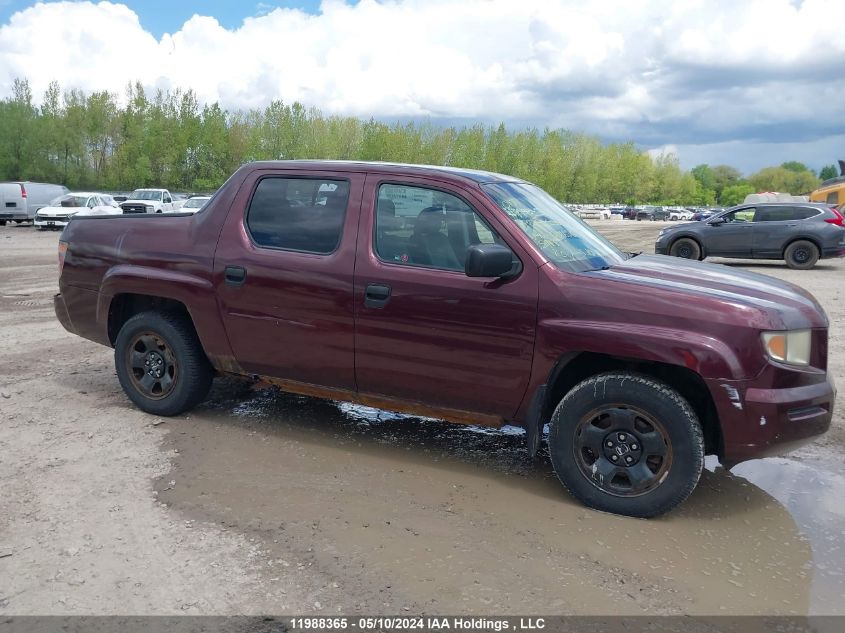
point(788, 347)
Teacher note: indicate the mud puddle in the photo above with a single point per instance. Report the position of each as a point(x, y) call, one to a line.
point(390, 512)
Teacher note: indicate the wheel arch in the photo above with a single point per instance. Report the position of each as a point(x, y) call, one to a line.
point(574, 367)
point(803, 238)
point(125, 305)
point(131, 287)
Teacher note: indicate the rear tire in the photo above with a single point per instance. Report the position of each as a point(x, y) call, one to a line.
point(612, 418)
point(801, 255)
point(161, 364)
point(686, 248)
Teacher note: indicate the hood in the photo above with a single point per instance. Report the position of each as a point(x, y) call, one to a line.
point(60, 211)
point(716, 292)
point(101, 211)
point(151, 203)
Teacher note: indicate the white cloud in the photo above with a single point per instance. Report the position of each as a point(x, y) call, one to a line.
point(661, 72)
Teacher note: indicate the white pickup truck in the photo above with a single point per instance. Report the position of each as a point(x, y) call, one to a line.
point(148, 201)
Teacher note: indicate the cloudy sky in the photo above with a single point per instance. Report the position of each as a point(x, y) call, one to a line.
point(749, 83)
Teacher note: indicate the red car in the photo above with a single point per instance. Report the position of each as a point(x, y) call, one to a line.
point(464, 295)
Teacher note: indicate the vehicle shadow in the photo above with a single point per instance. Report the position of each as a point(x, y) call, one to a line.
point(768, 264)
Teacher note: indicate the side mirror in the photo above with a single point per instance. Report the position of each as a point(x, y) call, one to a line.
point(488, 260)
point(715, 221)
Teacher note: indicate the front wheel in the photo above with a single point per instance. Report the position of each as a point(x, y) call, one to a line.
point(801, 255)
point(161, 364)
point(686, 248)
point(626, 443)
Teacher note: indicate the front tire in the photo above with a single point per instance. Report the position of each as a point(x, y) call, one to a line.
point(161, 364)
point(685, 248)
point(801, 255)
point(627, 444)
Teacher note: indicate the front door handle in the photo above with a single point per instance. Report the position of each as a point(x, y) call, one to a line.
point(235, 275)
point(376, 295)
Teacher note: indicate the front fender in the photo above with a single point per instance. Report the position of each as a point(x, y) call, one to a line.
point(699, 352)
point(559, 339)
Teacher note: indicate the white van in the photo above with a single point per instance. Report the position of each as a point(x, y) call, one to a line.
point(19, 201)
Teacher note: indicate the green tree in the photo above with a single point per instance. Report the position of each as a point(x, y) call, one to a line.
point(794, 165)
point(827, 172)
point(168, 139)
point(724, 176)
point(784, 180)
point(17, 127)
point(735, 194)
point(705, 176)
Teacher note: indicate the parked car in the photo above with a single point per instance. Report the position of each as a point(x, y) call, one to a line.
point(63, 208)
point(630, 213)
point(20, 201)
point(194, 203)
point(678, 214)
point(110, 200)
point(798, 233)
point(652, 213)
point(148, 201)
point(593, 213)
point(179, 200)
point(459, 294)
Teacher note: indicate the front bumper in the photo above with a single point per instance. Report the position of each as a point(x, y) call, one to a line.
point(49, 223)
point(761, 418)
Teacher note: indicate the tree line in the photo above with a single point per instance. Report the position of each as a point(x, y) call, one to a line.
point(168, 139)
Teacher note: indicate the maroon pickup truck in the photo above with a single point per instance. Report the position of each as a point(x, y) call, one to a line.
point(463, 295)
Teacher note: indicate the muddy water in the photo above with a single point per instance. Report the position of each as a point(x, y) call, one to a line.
point(813, 492)
point(391, 512)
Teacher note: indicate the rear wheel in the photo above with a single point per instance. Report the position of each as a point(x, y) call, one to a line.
point(161, 364)
point(686, 248)
point(801, 255)
point(627, 444)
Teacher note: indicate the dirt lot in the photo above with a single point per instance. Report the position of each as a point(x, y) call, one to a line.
point(261, 502)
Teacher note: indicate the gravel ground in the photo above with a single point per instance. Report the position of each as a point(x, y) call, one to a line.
point(262, 502)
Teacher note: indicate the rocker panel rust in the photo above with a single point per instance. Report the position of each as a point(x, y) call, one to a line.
point(455, 416)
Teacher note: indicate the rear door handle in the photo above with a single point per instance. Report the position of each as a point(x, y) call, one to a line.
point(376, 295)
point(235, 275)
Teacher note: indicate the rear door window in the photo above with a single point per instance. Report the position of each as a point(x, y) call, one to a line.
point(298, 214)
point(784, 214)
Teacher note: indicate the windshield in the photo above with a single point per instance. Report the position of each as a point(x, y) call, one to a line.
point(142, 194)
point(195, 203)
point(69, 201)
point(565, 239)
